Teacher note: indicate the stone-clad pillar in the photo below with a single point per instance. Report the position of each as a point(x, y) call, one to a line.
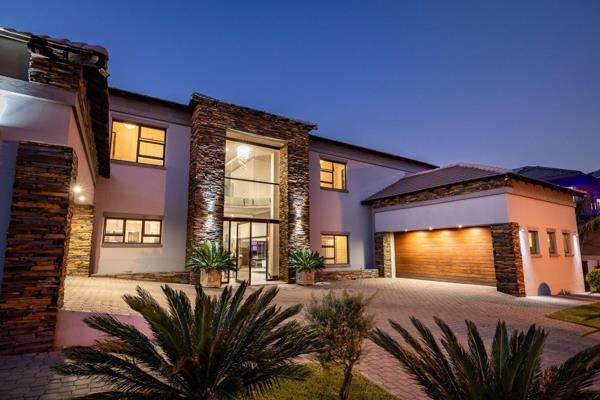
point(508, 261)
point(35, 257)
point(80, 240)
point(383, 253)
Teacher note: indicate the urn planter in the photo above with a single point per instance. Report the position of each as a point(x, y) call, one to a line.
point(306, 277)
point(210, 278)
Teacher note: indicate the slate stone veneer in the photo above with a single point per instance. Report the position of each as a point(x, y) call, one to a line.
point(211, 119)
point(34, 266)
point(80, 240)
point(383, 253)
point(508, 261)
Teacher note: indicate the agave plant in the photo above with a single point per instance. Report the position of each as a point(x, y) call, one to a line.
point(510, 370)
point(210, 255)
point(304, 259)
point(222, 348)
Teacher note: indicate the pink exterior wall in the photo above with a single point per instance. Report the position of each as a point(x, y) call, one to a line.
point(544, 209)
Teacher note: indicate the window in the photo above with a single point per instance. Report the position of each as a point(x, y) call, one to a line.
point(137, 143)
point(534, 242)
point(333, 175)
point(131, 230)
point(334, 249)
point(552, 243)
point(566, 238)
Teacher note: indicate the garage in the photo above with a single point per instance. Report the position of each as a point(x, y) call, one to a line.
point(453, 255)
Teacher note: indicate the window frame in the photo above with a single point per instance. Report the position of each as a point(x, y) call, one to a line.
point(551, 238)
point(345, 176)
point(568, 251)
point(139, 138)
point(143, 235)
point(537, 242)
point(333, 235)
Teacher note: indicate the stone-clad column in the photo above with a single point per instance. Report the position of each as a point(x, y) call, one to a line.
point(507, 259)
point(80, 240)
point(35, 260)
point(383, 253)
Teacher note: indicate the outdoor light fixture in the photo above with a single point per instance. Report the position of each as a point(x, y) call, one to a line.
point(81, 198)
point(460, 226)
point(129, 126)
point(430, 228)
point(77, 189)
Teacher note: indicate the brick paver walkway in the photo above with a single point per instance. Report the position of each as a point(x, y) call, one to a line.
point(26, 377)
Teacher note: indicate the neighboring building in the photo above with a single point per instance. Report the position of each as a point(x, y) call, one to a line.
point(104, 182)
point(588, 201)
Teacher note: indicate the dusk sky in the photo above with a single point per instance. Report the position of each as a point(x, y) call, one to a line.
point(501, 83)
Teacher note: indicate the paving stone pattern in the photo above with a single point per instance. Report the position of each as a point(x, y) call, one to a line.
point(24, 377)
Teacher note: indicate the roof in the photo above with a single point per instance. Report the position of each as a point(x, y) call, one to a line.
point(595, 174)
point(198, 97)
point(451, 175)
point(546, 173)
point(371, 151)
point(145, 97)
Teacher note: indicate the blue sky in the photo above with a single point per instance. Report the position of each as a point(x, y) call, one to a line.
point(506, 83)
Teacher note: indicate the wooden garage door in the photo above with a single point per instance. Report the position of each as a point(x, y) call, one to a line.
point(454, 255)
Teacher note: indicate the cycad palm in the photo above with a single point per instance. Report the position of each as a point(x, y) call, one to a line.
point(511, 370)
point(222, 348)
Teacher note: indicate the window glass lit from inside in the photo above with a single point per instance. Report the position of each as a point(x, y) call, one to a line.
point(552, 243)
point(137, 143)
point(334, 249)
point(534, 246)
point(332, 175)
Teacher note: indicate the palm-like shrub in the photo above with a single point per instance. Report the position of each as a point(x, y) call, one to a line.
point(304, 259)
point(210, 255)
point(510, 370)
point(222, 348)
point(593, 278)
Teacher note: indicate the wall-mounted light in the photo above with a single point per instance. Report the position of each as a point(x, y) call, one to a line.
point(460, 227)
point(77, 189)
point(81, 198)
point(430, 228)
point(406, 230)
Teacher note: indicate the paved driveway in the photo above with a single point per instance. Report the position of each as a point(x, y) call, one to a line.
point(31, 377)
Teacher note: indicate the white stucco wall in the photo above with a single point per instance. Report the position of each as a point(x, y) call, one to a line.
point(145, 191)
point(544, 272)
point(335, 211)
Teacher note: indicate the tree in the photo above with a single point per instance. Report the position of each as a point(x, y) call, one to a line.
point(342, 323)
point(222, 348)
point(510, 370)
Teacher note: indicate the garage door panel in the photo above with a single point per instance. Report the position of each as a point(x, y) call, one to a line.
point(457, 255)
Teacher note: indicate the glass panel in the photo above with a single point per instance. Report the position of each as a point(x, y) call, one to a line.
point(259, 252)
point(133, 231)
point(251, 162)
point(113, 239)
point(124, 141)
point(151, 227)
point(533, 242)
point(151, 149)
point(152, 161)
point(329, 252)
point(251, 199)
point(243, 251)
point(151, 239)
point(339, 176)
point(341, 249)
point(114, 226)
point(157, 135)
point(552, 242)
point(326, 165)
point(327, 240)
point(566, 243)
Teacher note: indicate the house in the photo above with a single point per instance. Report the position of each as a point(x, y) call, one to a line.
point(588, 202)
point(99, 181)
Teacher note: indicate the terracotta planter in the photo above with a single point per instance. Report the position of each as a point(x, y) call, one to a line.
point(306, 277)
point(211, 278)
point(194, 278)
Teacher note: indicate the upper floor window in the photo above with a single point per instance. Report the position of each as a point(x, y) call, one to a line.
point(552, 243)
point(132, 230)
point(333, 175)
point(566, 238)
point(137, 143)
point(534, 242)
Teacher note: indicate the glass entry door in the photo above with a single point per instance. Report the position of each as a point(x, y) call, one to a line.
point(255, 247)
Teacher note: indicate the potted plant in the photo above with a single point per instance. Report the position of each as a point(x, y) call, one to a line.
point(210, 259)
point(306, 262)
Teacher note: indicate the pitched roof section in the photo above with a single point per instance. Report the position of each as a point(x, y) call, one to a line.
point(199, 97)
point(595, 174)
point(450, 175)
point(546, 173)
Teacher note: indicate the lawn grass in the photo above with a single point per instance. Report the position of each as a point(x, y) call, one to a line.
point(325, 384)
point(578, 315)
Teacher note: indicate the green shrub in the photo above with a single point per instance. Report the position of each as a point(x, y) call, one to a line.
point(593, 278)
point(210, 255)
point(304, 259)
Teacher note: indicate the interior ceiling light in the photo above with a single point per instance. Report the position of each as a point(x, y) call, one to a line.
point(129, 125)
point(243, 151)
